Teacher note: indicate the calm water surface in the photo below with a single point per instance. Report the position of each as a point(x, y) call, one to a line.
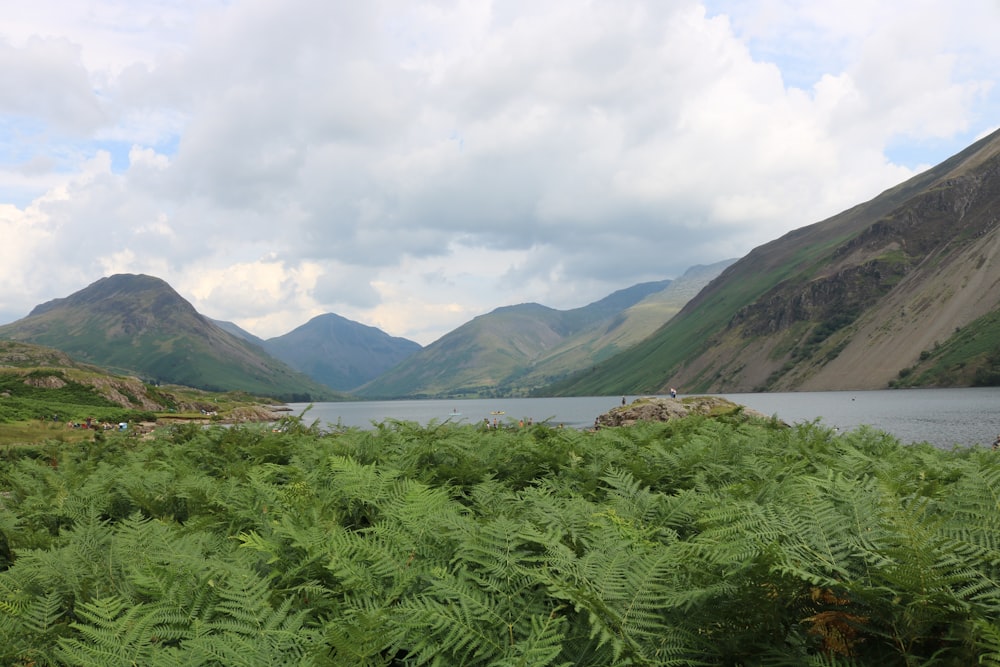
point(944, 417)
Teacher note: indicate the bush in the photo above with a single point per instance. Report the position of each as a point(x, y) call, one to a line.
point(698, 541)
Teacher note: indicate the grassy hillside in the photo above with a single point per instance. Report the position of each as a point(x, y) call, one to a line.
point(643, 366)
point(970, 357)
point(621, 331)
point(475, 358)
point(43, 391)
point(38, 383)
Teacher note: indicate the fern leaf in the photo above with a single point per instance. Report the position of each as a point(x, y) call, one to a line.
point(112, 634)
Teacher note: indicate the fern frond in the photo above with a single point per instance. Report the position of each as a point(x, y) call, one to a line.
point(30, 626)
point(243, 628)
point(625, 592)
point(987, 642)
point(362, 636)
point(112, 633)
point(454, 621)
point(541, 647)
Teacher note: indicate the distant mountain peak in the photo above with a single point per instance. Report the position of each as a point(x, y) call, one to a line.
point(108, 289)
point(139, 324)
point(340, 353)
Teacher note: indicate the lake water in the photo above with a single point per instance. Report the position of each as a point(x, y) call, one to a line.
point(943, 417)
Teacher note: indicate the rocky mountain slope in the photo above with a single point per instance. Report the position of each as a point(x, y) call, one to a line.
point(901, 290)
point(136, 324)
point(513, 350)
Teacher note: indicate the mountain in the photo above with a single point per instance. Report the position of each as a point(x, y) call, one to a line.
point(515, 349)
point(339, 352)
point(235, 329)
point(615, 333)
point(139, 324)
point(902, 290)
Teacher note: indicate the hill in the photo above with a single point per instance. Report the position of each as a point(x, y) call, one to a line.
point(137, 324)
point(40, 383)
point(513, 350)
point(339, 352)
point(902, 290)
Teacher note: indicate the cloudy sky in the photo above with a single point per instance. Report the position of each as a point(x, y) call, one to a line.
point(413, 164)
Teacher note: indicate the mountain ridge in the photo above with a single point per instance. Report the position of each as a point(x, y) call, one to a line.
point(137, 324)
point(118, 317)
point(515, 349)
point(820, 307)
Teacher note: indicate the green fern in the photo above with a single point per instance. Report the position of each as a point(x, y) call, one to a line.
point(243, 628)
point(30, 626)
point(696, 542)
point(112, 634)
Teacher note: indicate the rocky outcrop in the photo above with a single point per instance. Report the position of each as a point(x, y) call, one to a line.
point(823, 301)
point(655, 409)
point(129, 393)
point(24, 355)
point(45, 382)
point(253, 413)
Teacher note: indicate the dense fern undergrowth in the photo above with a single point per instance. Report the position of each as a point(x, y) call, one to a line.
point(697, 542)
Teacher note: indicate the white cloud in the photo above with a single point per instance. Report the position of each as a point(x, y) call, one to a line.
point(412, 165)
point(45, 83)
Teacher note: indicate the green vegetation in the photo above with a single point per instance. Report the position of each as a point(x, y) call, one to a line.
point(39, 403)
point(519, 350)
point(970, 357)
point(56, 394)
point(645, 367)
point(138, 325)
point(699, 541)
point(35, 431)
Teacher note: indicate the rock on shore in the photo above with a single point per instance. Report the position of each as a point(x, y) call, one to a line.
point(253, 413)
point(652, 408)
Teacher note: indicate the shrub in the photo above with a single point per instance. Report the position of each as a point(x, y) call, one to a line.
point(698, 541)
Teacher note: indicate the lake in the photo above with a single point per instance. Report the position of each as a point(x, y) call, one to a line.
point(943, 417)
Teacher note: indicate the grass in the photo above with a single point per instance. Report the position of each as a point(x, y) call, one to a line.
point(38, 431)
point(970, 355)
point(38, 413)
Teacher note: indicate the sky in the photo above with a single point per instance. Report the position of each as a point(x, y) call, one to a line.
point(413, 164)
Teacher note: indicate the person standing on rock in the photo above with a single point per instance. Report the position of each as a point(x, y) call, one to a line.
point(673, 393)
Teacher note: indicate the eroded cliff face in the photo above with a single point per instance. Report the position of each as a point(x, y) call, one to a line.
point(831, 301)
point(872, 304)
